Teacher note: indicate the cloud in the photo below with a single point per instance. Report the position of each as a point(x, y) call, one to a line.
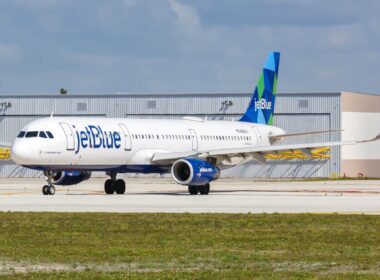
point(187, 16)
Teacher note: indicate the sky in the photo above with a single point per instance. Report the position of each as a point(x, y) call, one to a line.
point(109, 46)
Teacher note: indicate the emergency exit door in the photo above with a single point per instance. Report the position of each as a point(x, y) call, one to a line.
point(194, 139)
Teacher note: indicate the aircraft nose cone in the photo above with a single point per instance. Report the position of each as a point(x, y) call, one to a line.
point(20, 153)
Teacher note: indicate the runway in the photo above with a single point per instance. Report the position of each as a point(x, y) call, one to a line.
point(226, 196)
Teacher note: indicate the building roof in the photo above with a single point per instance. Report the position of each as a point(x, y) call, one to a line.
point(145, 94)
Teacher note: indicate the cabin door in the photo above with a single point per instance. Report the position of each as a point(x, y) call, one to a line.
point(256, 139)
point(127, 137)
point(70, 140)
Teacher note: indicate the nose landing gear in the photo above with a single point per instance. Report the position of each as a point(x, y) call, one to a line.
point(114, 185)
point(48, 189)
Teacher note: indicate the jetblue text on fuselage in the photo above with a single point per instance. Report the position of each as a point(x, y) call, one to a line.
point(263, 104)
point(93, 137)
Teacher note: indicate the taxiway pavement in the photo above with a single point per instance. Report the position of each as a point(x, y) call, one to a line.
point(226, 196)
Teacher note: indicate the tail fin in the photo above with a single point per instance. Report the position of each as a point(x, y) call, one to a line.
point(261, 107)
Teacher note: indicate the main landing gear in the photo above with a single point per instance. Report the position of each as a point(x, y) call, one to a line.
point(114, 185)
point(204, 189)
point(48, 189)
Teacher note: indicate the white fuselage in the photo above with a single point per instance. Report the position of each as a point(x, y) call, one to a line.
point(106, 143)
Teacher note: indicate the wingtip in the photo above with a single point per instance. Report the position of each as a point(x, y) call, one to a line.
point(376, 138)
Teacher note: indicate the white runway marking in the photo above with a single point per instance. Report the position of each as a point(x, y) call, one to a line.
point(226, 196)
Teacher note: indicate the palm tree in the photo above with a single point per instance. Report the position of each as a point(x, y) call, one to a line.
point(63, 91)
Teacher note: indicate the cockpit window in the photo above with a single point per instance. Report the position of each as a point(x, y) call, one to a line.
point(42, 134)
point(21, 134)
point(50, 134)
point(31, 134)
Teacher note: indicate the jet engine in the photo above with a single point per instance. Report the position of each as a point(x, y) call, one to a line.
point(67, 178)
point(194, 172)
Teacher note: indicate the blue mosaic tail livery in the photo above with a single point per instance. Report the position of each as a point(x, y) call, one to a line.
point(261, 106)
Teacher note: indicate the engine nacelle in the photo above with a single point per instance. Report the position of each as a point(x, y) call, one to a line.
point(194, 172)
point(67, 178)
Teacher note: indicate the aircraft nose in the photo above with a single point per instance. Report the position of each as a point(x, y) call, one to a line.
point(20, 153)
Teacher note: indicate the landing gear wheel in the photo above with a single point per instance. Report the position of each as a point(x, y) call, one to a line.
point(109, 187)
point(205, 189)
point(45, 190)
point(193, 190)
point(48, 189)
point(119, 186)
point(51, 190)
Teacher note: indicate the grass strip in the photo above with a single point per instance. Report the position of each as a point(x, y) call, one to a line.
point(188, 246)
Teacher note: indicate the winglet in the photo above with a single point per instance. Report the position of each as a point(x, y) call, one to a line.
point(370, 140)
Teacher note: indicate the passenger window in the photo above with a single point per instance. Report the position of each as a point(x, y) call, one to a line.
point(42, 134)
point(31, 134)
point(49, 134)
point(21, 134)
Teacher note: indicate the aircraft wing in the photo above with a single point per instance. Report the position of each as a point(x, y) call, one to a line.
point(250, 153)
point(280, 136)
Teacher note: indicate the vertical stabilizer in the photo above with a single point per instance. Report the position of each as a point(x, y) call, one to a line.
point(261, 106)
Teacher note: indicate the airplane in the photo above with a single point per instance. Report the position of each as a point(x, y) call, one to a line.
point(193, 150)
